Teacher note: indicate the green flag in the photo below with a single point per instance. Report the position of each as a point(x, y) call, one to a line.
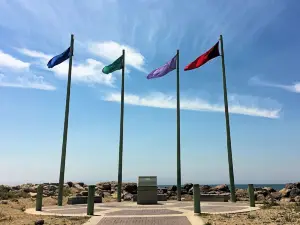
point(116, 65)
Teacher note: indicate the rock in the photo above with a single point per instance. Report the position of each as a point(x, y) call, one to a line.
point(172, 188)
point(262, 191)
point(260, 197)
point(4, 202)
point(70, 183)
point(84, 193)
point(81, 184)
point(295, 192)
point(290, 186)
point(77, 186)
point(187, 186)
point(106, 186)
point(285, 192)
point(241, 193)
point(298, 185)
point(285, 200)
point(191, 191)
point(131, 188)
point(16, 188)
point(105, 194)
point(222, 187)
point(297, 199)
point(39, 222)
point(33, 195)
point(276, 195)
point(184, 192)
point(128, 197)
point(269, 189)
point(205, 188)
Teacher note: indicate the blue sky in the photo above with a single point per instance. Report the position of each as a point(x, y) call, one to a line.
point(262, 64)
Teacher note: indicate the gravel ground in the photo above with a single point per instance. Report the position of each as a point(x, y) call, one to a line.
point(273, 215)
point(12, 213)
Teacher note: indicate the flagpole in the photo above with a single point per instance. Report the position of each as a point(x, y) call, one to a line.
point(121, 132)
point(65, 135)
point(178, 132)
point(229, 150)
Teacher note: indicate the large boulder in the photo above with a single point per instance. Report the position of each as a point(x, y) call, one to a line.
point(297, 199)
point(128, 197)
point(187, 186)
point(241, 193)
point(295, 192)
point(70, 183)
point(221, 188)
point(276, 195)
point(290, 186)
point(260, 197)
point(285, 192)
point(106, 186)
point(131, 188)
point(205, 188)
point(191, 191)
point(269, 189)
point(172, 188)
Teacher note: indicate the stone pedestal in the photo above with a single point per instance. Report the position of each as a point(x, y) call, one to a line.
point(83, 200)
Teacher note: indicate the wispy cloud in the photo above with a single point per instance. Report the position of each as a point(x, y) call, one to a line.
point(11, 62)
point(88, 71)
point(237, 104)
point(111, 50)
point(292, 88)
point(20, 75)
point(26, 81)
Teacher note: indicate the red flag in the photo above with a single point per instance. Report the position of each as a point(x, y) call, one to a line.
point(202, 59)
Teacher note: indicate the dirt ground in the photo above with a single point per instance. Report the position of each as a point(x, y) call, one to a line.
point(285, 214)
point(13, 213)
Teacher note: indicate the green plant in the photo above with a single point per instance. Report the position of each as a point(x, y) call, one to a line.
point(66, 192)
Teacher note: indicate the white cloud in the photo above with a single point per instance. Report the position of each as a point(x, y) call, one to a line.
point(292, 88)
point(8, 61)
point(89, 71)
point(26, 81)
point(34, 54)
point(111, 50)
point(161, 100)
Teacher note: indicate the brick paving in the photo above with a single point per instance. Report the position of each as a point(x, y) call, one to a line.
point(72, 211)
point(144, 212)
point(178, 220)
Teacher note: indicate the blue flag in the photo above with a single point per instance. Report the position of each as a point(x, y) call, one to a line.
point(163, 70)
point(59, 58)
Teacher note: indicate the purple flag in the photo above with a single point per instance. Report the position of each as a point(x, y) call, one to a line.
point(163, 70)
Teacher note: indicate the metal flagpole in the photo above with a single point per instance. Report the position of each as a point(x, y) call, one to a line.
point(178, 132)
point(66, 122)
point(121, 132)
point(229, 150)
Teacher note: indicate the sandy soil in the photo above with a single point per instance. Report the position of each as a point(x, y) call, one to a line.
point(13, 213)
point(271, 215)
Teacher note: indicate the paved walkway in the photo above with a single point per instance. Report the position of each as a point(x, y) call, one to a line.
point(129, 213)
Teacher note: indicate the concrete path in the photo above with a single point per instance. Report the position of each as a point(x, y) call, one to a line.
point(164, 213)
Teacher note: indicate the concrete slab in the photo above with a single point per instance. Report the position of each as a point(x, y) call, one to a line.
point(170, 212)
point(182, 220)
